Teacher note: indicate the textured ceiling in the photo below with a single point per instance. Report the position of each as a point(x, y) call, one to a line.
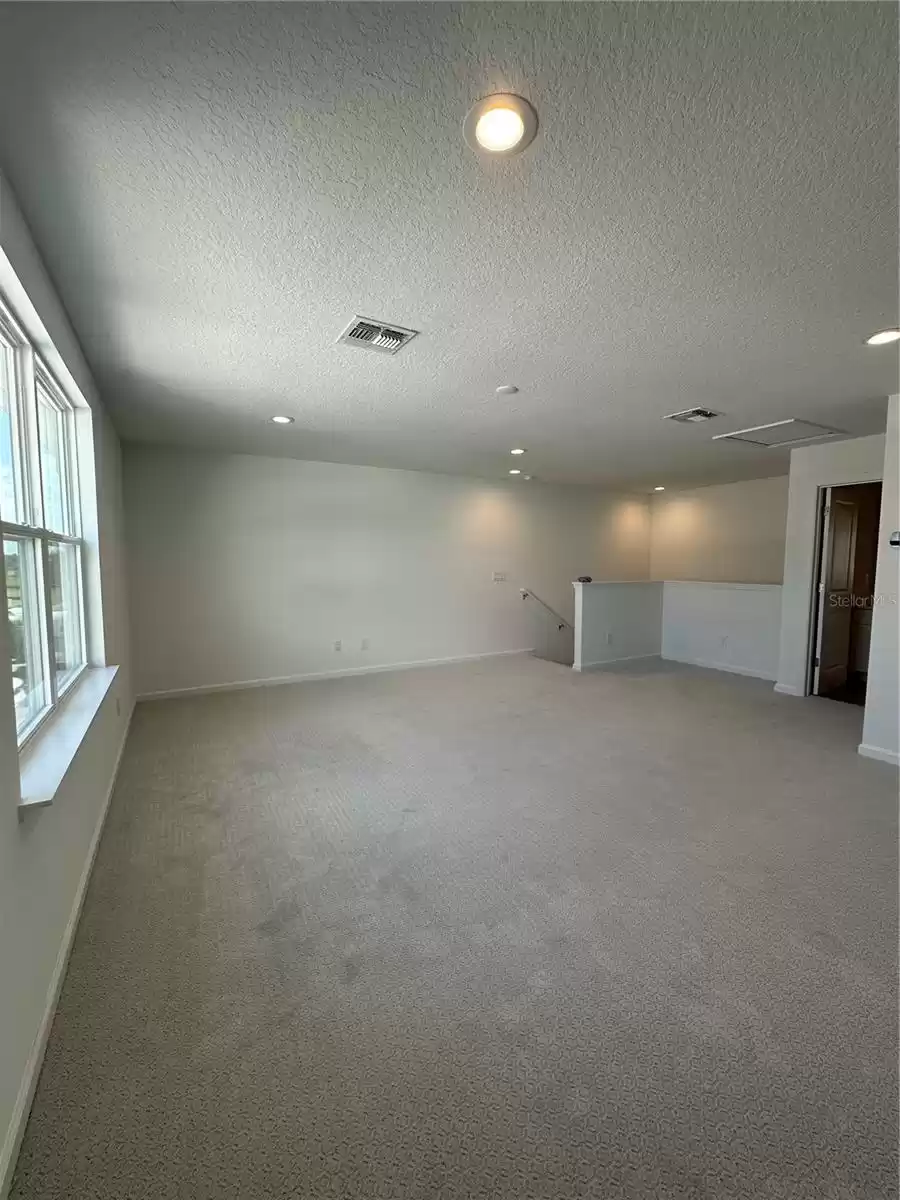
point(707, 216)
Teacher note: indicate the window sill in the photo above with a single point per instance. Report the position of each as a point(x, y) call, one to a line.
point(46, 759)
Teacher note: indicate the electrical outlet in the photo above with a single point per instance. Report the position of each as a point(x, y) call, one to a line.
point(337, 646)
point(498, 577)
point(364, 644)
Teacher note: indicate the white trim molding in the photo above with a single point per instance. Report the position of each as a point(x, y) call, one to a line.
point(611, 662)
point(729, 668)
point(238, 685)
point(880, 754)
point(788, 689)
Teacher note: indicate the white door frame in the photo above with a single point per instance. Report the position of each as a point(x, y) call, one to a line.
point(812, 649)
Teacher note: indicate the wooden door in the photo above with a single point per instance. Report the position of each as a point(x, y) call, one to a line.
point(835, 594)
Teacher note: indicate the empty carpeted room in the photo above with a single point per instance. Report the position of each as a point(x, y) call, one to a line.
point(449, 691)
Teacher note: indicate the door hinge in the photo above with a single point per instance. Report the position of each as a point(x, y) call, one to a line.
point(818, 661)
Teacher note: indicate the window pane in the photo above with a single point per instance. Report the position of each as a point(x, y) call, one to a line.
point(65, 608)
point(23, 606)
point(10, 481)
point(53, 433)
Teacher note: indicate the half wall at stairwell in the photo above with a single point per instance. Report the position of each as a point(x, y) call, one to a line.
point(245, 569)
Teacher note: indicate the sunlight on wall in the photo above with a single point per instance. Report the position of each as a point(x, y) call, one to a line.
point(629, 528)
point(721, 533)
point(489, 515)
point(682, 518)
point(632, 519)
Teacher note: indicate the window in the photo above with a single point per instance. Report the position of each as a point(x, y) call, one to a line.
point(39, 524)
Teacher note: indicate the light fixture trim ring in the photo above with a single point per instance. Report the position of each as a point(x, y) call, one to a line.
point(508, 100)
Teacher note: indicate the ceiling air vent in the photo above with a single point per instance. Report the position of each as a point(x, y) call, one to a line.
point(691, 416)
point(780, 433)
point(375, 335)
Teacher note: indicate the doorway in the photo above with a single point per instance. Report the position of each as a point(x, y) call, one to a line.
point(847, 550)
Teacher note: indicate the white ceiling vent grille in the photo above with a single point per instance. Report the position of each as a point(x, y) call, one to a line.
point(376, 335)
point(780, 433)
point(691, 416)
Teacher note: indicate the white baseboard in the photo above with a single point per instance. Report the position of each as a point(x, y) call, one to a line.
point(879, 753)
point(788, 689)
point(314, 676)
point(730, 668)
point(611, 662)
point(22, 1107)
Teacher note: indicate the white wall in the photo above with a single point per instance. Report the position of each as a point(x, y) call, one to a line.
point(244, 568)
point(725, 626)
point(44, 858)
point(881, 728)
point(732, 532)
point(111, 548)
point(857, 460)
point(616, 621)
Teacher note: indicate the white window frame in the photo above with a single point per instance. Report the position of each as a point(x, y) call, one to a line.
point(31, 373)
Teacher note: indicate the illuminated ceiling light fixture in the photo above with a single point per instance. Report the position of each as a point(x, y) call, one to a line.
point(281, 420)
point(518, 450)
point(515, 471)
point(659, 489)
point(883, 337)
point(502, 124)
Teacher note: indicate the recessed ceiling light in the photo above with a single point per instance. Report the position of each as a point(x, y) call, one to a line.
point(515, 471)
point(499, 129)
point(526, 476)
point(883, 337)
point(518, 450)
point(506, 389)
point(659, 489)
point(282, 420)
point(501, 124)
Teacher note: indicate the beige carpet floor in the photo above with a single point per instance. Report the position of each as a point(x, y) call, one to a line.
point(490, 931)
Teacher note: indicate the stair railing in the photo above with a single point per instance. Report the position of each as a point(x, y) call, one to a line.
point(561, 622)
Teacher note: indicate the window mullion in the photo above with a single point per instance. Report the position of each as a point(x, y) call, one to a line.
point(74, 475)
point(68, 424)
point(30, 531)
point(31, 440)
point(47, 623)
point(22, 374)
point(82, 601)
